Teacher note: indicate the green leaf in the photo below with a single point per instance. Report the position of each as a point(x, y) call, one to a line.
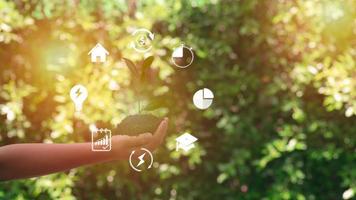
point(145, 66)
point(132, 67)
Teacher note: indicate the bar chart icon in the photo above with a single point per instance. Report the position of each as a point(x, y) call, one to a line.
point(101, 140)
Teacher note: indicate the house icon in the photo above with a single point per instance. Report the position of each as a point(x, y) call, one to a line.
point(98, 53)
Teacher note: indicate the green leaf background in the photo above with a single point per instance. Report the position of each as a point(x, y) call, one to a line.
point(282, 125)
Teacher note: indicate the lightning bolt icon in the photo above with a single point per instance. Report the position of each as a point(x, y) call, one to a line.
point(78, 92)
point(141, 159)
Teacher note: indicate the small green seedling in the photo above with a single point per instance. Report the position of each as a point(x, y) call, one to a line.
point(139, 123)
point(139, 74)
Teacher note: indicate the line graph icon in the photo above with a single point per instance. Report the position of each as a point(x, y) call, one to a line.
point(101, 140)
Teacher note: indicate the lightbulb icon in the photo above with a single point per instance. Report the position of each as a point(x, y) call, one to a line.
point(78, 94)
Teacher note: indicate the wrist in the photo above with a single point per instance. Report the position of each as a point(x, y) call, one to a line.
point(101, 156)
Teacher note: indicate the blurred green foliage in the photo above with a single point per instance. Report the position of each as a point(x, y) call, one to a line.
point(282, 125)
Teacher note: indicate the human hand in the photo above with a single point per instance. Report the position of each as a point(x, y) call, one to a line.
point(123, 145)
point(158, 136)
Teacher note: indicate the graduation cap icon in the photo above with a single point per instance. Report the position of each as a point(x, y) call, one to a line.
point(185, 142)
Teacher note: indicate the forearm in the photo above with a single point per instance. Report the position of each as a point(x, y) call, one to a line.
point(29, 160)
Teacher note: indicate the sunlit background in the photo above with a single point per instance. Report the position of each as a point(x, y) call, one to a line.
point(282, 125)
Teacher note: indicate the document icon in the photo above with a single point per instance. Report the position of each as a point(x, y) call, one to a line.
point(101, 140)
point(185, 142)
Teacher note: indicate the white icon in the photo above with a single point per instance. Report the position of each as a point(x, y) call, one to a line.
point(78, 94)
point(183, 56)
point(98, 53)
point(141, 159)
point(103, 141)
point(185, 142)
point(203, 98)
point(142, 40)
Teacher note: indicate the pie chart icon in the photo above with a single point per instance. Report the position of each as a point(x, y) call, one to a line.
point(203, 98)
point(182, 56)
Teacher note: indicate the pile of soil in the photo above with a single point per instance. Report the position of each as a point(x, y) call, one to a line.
point(137, 124)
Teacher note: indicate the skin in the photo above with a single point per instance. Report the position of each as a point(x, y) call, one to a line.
point(31, 160)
